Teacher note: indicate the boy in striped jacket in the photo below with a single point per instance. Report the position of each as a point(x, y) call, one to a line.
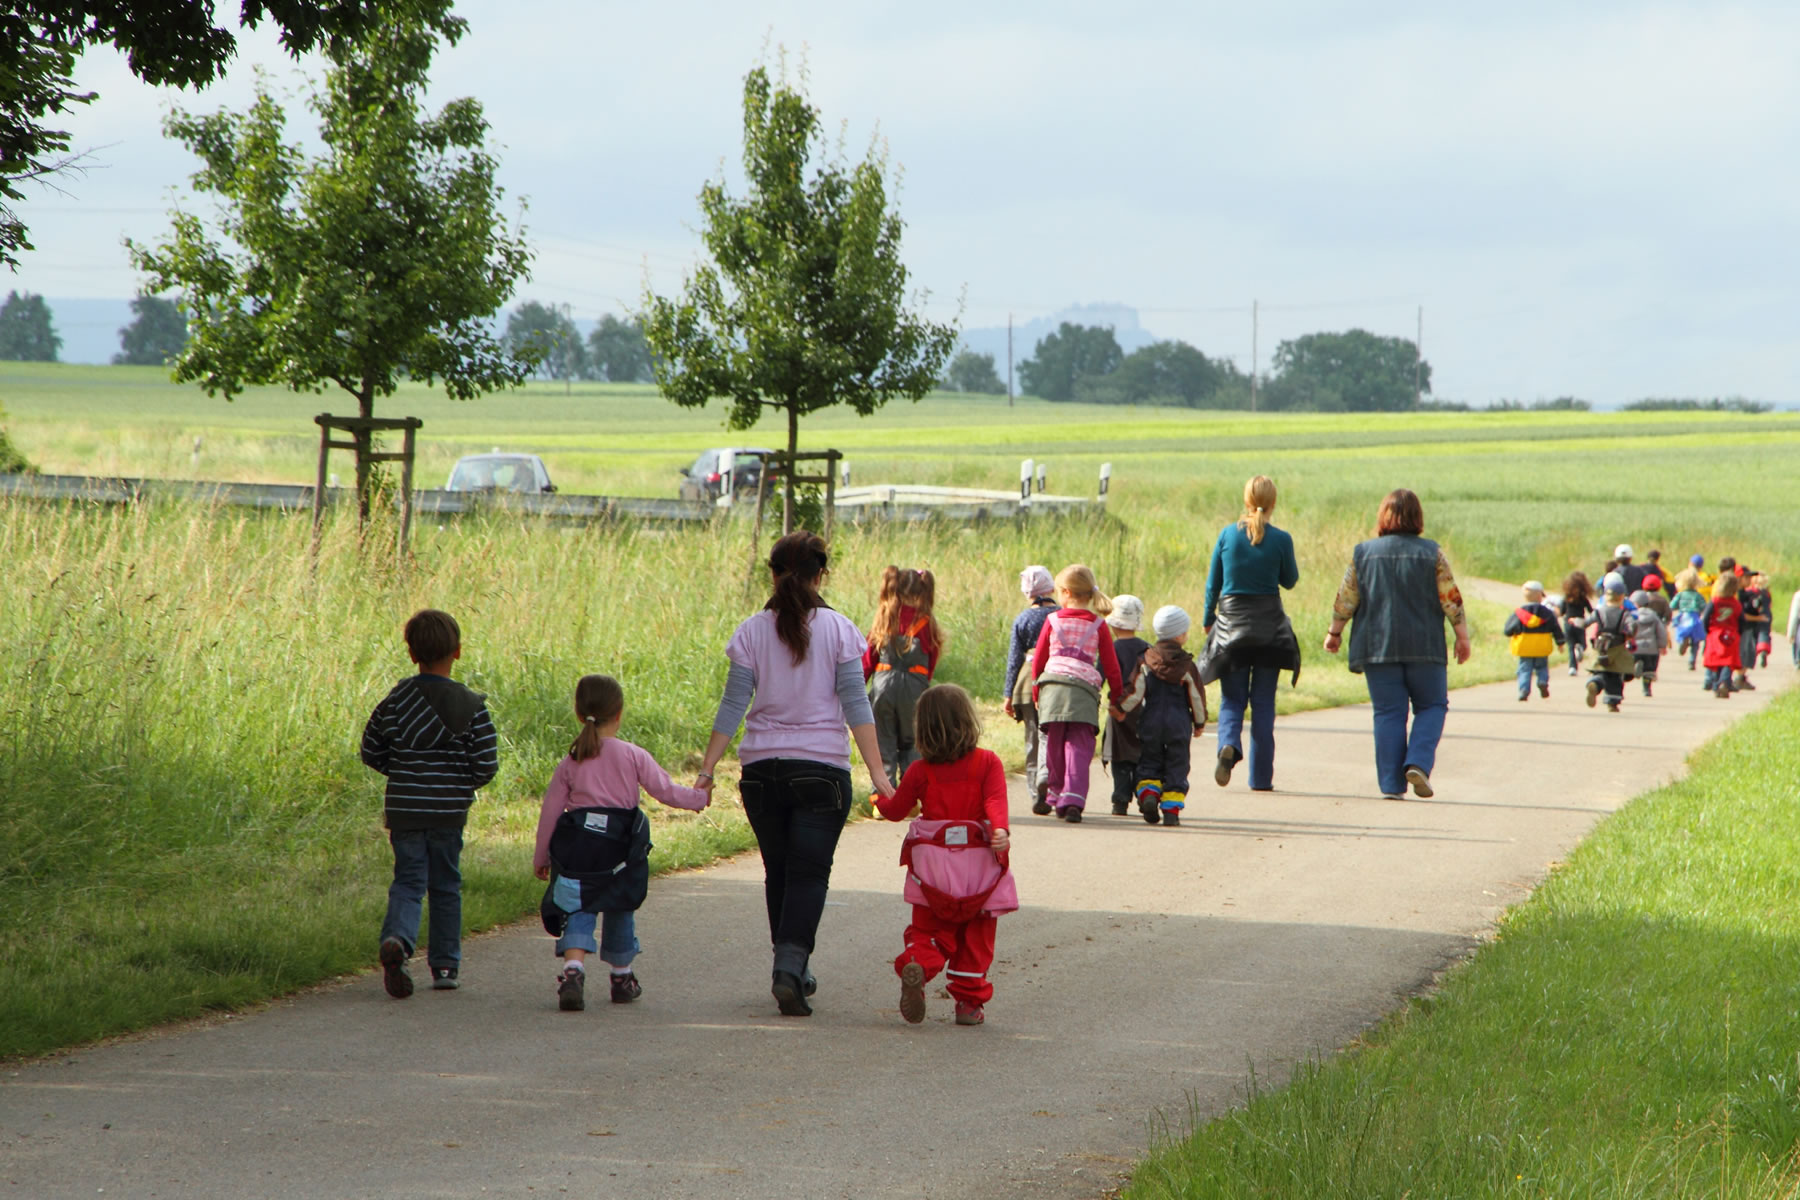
point(433, 739)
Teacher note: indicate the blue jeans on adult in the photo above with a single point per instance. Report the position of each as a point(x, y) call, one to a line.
point(1528, 667)
point(1252, 687)
point(797, 809)
point(1394, 688)
point(426, 860)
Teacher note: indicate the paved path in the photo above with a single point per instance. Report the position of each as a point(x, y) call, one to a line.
point(1147, 966)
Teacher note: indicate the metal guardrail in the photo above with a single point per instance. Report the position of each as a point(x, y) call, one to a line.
point(898, 503)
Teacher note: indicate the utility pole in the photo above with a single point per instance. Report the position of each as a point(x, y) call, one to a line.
point(1009, 384)
point(1253, 331)
point(1418, 358)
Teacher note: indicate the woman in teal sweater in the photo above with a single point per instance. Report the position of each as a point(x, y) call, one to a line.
point(1249, 641)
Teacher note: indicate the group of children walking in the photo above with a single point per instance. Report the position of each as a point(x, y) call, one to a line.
point(1722, 622)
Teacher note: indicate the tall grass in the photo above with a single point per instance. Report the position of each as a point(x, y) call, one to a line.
point(1630, 1033)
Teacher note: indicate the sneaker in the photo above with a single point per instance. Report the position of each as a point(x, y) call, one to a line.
point(912, 993)
point(571, 988)
point(1421, 783)
point(1120, 808)
point(1612, 706)
point(1744, 682)
point(1573, 671)
point(1147, 806)
point(1041, 807)
point(969, 1014)
point(1222, 772)
point(394, 976)
point(1646, 687)
point(1171, 816)
point(1393, 795)
point(1593, 692)
point(626, 988)
point(790, 994)
point(1722, 692)
point(1070, 813)
point(443, 979)
point(1544, 690)
point(1524, 696)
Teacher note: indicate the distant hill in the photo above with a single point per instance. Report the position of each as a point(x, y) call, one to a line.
point(1122, 319)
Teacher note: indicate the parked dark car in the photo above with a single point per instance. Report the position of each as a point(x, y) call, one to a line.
point(704, 481)
point(499, 473)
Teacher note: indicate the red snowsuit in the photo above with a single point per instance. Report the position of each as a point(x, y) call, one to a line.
point(973, 788)
point(1722, 635)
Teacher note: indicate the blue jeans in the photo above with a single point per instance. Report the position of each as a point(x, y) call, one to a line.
point(1393, 689)
point(1253, 687)
point(426, 860)
point(797, 809)
point(1529, 667)
point(618, 944)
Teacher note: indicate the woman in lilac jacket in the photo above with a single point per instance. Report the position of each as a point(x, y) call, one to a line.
point(795, 683)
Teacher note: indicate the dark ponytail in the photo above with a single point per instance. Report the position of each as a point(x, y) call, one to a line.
point(598, 699)
point(796, 562)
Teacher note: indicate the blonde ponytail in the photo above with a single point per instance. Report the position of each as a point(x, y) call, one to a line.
point(1078, 581)
point(1259, 502)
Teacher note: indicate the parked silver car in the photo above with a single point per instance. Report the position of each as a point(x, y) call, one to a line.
point(499, 473)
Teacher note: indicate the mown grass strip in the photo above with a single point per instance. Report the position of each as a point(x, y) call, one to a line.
point(1631, 1031)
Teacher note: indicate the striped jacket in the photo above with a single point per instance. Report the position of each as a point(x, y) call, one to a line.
point(433, 739)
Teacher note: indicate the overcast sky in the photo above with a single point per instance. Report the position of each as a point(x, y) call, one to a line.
point(1595, 199)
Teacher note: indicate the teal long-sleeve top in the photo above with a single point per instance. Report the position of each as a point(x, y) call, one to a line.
point(1241, 569)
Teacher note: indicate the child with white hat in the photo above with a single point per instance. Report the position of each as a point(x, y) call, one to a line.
point(1533, 630)
point(1119, 747)
point(1165, 690)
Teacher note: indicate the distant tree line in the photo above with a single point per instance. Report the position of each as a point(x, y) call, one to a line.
point(615, 351)
point(1560, 404)
point(1717, 404)
point(1355, 371)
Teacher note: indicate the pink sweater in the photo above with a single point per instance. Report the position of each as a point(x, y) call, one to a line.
point(611, 779)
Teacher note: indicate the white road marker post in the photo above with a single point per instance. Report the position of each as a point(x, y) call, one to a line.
point(1105, 479)
point(727, 479)
point(1042, 468)
point(1025, 486)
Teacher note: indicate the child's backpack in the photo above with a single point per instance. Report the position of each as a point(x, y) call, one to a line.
point(606, 853)
point(1609, 631)
point(952, 870)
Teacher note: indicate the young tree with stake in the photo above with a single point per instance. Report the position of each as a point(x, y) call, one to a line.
point(803, 304)
point(383, 259)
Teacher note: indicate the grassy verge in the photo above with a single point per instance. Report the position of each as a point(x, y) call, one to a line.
point(1630, 1033)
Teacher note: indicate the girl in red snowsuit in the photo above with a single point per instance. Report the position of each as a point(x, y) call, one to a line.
point(958, 879)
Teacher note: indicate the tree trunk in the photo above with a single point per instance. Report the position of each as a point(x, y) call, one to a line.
point(787, 483)
point(365, 404)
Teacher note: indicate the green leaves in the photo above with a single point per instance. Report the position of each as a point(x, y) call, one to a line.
point(803, 305)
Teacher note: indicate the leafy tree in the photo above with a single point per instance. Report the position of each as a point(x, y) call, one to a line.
point(547, 333)
point(803, 304)
point(166, 42)
point(617, 351)
point(975, 373)
point(11, 461)
point(1071, 353)
point(155, 337)
point(1170, 372)
point(1351, 372)
point(383, 259)
point(26, 332)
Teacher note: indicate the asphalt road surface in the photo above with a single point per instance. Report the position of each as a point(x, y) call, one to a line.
point(1148, 969)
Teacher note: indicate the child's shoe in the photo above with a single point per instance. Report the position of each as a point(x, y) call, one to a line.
point(443, 979)
point(912, 993)
point(571, 987)
point(394, 976)
point(1646, 687)
point(1041, 807)
point(969, 1014)
point(1070, 813)
point(1544, 690)
point(1612, 705)
point(1171, 816)
point(1593, 692)
point(626, 988)
point(1120, 808)
point(1222, 772)
point(1149, 799)
point(1524, 696)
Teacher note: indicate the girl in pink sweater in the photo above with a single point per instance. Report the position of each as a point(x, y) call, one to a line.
point(601, 772)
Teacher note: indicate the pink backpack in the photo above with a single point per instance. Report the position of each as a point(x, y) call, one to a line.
point(952, 870)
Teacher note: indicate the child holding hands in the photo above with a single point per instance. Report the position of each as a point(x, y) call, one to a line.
point(593, 787)
point(958, 880)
